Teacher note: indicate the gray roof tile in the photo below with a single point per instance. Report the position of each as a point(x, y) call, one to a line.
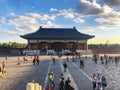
point(57, 33)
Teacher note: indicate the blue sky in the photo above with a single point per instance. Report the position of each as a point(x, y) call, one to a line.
point(95, 17)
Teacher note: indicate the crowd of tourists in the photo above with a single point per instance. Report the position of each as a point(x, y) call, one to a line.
point(99, 82)
point(62, 85)
point(106, 59)
point(36, 61)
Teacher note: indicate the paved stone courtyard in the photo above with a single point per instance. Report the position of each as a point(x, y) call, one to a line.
point(18, 76)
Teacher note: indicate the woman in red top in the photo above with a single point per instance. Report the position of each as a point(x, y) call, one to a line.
point(65, 65)
point(48, 87)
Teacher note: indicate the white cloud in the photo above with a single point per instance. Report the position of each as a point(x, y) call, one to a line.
point(2, 20)
point(92, 29)
point(27, 23)
point(41, 17)
point(89, 8)
point(23, 23)
point(8, 32)
point(86, 7)
point(98, 28)
point(114, 3)
point(106, 9)
point(12, 14)
point(112, 18)
point(66, 13)
point(79, 20)
point(53, 10)
point(70, 14)
point(47, 17)
point(20, 29)
point(48, 24)
point(33, 15)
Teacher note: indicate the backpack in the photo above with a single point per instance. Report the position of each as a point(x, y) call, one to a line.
point(104, 83)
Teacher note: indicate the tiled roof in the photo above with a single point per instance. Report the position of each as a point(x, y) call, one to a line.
point(57, 33)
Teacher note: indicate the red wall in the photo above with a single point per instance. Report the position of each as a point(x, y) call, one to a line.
point(106, 50)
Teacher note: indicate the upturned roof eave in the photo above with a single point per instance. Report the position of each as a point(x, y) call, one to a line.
point(56, 38)
point(45, 33)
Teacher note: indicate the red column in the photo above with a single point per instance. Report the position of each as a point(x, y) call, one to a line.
point(86, 46)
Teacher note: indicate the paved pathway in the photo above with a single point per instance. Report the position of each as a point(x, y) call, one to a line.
point(67, 74)
point(18, 76)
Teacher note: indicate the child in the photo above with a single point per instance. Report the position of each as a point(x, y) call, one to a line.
point(48, 87)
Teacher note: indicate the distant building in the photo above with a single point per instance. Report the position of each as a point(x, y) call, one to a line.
point(57, 39)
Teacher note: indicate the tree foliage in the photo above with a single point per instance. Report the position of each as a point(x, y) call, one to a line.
point(90, 46)
point(12, 45)
point(104, 46)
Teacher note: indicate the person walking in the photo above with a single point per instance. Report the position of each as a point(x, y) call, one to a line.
point(67, 59)
point(54, 61)
point(73, 59)
point(18, 61)
point(62, 76)
point(3, 68)
point(104, 82)
point(101, 58)
point(94, 80)
point(67, 83)
point(116, 60)
point(3, 65)
point(70, 87)
point(98, 81)
point(81, 63)
point(51, 78)
point(96, 59)
point(62, 84)
point(48, 87)
point(37, 59)
point(1, 73)
point(65, 65)
point(34, 60)
point(6, 58)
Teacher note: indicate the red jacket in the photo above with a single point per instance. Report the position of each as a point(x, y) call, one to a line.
point(48, 88)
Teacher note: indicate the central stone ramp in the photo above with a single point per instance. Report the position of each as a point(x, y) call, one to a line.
point(80, 77)
point(67, 74)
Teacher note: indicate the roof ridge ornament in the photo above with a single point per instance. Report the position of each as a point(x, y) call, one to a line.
point(40, 27)
point(74, 27)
